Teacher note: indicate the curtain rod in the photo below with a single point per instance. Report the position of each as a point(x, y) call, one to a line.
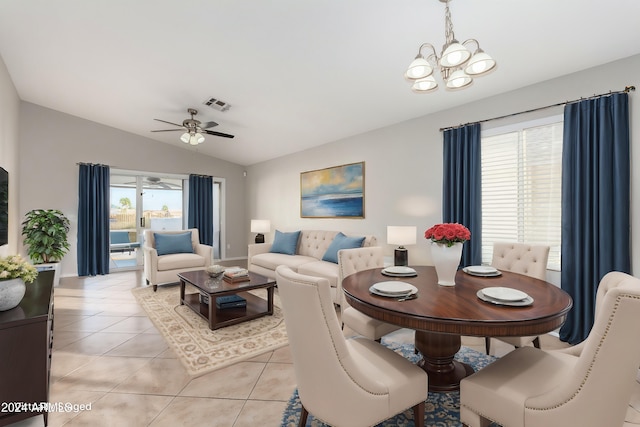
point(627, 89)
point(90, 164)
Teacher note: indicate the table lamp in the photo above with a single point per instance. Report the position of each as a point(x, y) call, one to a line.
point(401, 235)
point(260, 226)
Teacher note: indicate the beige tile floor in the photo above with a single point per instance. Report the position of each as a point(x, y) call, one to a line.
point(108, 354)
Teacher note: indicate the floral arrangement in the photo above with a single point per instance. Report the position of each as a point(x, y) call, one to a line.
point(448, 233)
point(14, 267)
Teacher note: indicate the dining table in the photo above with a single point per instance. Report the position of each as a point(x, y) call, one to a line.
point(440, 315)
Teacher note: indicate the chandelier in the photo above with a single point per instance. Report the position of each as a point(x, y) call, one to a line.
point(457, 64)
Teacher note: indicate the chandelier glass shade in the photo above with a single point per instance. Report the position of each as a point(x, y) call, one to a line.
point(192, 137)
point(458, 62)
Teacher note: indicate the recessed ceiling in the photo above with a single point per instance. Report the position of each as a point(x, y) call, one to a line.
point(297, 73)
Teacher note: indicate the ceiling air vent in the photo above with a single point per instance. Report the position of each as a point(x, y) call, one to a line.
point(217, 104)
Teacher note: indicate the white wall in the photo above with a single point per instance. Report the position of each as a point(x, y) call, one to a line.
point(9, 109)
point(52, 143)
point(403, 171)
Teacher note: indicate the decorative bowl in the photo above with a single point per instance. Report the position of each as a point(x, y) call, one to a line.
point(215, 270)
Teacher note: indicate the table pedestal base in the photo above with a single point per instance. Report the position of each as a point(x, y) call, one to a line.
point(437, 352)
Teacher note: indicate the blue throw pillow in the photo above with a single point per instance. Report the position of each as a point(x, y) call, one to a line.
point(285, 243)
point(341, 242)
point(173, 243)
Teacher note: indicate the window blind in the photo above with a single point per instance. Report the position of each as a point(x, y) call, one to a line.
point(521, 186)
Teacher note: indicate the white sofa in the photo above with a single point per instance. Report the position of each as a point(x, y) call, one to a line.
point(160, 269)
point(312, 245)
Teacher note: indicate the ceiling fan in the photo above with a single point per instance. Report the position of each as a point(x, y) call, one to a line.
point(193, 129)
point(151, 183)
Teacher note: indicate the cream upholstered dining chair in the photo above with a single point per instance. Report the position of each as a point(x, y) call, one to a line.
point(530, 260)
point(530, 387)
point(633, 410)
point(351, 261)
point(632, 418)
point(350, 383)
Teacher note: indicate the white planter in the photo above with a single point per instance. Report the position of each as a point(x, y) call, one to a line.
point(11, 293)
point(446, 261)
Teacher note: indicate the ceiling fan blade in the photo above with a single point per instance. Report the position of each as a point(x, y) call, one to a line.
point(224, 135)
point(208, 125)
point(164, 121)
point(168, 130)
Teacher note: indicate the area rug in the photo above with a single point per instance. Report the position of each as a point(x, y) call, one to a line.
point(200, 349)
point(441, 409)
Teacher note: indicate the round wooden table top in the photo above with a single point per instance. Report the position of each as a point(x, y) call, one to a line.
point(457, 309)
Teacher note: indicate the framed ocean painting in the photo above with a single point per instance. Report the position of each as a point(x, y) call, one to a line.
point(335, 192)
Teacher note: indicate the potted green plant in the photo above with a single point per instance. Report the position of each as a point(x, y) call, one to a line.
point(45, 235)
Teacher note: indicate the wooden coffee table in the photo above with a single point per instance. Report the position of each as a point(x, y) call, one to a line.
point(217, 287)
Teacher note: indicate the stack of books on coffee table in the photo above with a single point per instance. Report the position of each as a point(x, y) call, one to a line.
point(227, 301)
point(230, 301)
point(236, 274)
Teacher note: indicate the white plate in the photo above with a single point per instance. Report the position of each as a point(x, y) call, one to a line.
point(412, 291)
point(494, 274)
point(481, 269)
point(504, 294)
point(399, 269)
point(522, 303)
point(393, 287)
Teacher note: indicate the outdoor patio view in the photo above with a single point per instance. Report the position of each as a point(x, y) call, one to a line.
point(158, 208)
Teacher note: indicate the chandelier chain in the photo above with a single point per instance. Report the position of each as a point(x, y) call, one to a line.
point(448, 27)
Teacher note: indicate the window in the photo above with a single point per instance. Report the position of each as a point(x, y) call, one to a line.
point(521, 186)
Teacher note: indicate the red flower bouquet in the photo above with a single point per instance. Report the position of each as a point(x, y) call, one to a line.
point(448, 233)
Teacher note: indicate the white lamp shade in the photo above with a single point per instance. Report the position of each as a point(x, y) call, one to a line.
point(454, 55)
point(479, 64)
point(260, 225)
point(424, 85)
point(419, 68)
point(185, 137)
point(458, 80)
point(199, 138)
point(401, 235)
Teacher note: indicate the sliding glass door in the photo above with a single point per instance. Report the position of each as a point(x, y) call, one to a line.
point(141, 202)
point(138, 203)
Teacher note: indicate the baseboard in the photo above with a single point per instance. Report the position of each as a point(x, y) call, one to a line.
point(232, 262)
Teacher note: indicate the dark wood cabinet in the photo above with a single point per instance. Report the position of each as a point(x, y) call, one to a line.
point(26, 340)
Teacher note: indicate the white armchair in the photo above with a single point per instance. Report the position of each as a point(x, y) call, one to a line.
point(351, 261)
point(529, 260)
point(344, 383)
point(161, 269)
point(589, 385)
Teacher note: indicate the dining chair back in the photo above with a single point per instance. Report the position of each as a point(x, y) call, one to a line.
point(350, 383)
point(530, 260)
point(530, 387)
point(351, 261)
point(632, 418)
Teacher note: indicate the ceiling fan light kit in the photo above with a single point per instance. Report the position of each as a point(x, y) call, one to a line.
point(457, 64)
point(193, 138)
point(194, 129)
